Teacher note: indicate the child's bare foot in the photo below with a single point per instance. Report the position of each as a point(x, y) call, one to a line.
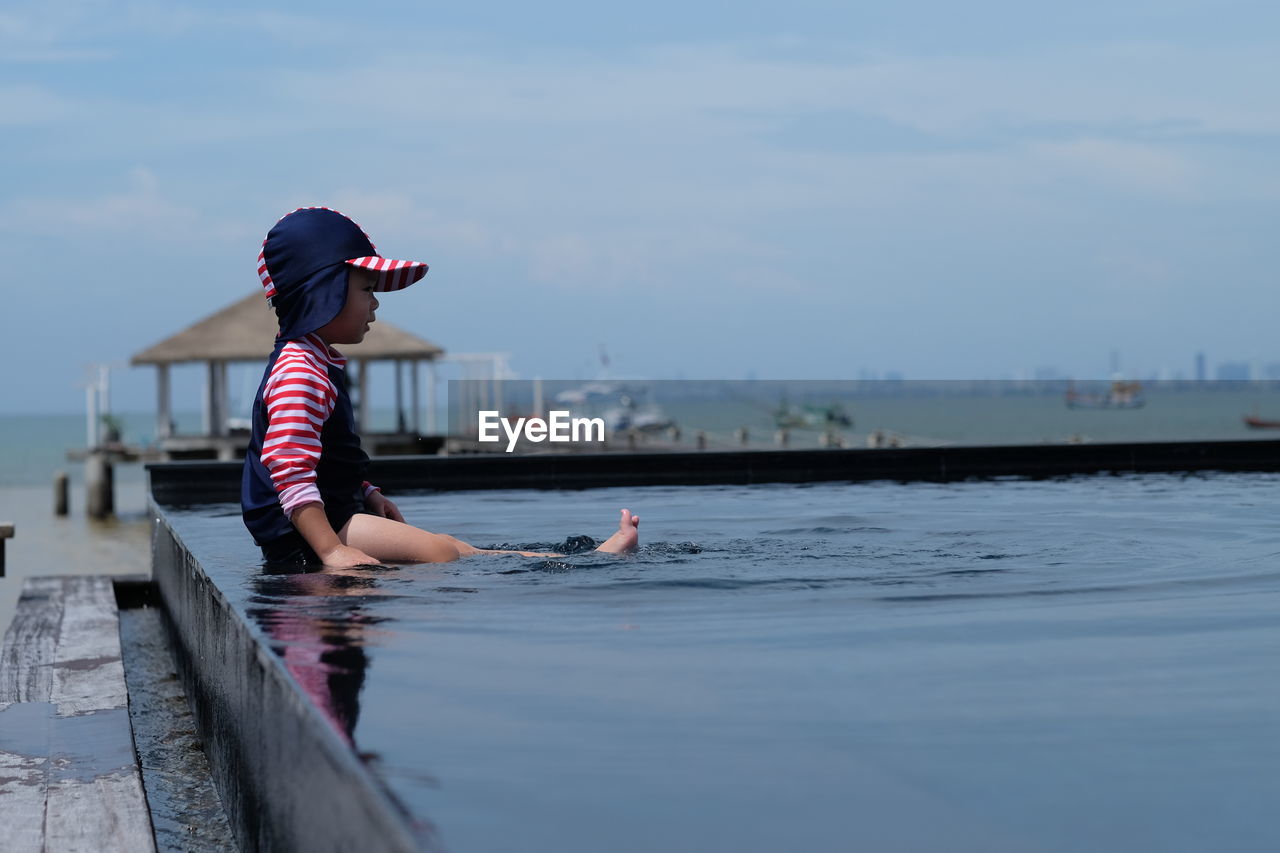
point(627, 537)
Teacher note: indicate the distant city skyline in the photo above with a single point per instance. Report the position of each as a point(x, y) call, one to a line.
point(133, 389)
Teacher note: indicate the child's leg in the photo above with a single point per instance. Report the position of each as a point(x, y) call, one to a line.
point(397, 542)
point(624, 539)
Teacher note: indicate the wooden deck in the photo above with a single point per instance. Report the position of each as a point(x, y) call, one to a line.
point(69, 779)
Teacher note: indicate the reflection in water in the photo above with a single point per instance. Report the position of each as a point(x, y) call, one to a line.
point(316, 622)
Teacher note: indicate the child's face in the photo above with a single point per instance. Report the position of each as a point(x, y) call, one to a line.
point(352, 322)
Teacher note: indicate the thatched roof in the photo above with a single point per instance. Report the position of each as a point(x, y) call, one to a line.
point(246, 331)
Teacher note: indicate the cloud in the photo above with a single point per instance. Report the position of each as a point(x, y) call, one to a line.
point(95, 30)
point(26, 105)
point(655, 260)
point(565, 258)
point(702, 112)
point(1145, 168)
point(394, 219)
point(142, 208)
point(51, 55)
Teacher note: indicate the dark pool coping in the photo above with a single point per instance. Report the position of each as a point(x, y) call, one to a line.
point(286, 779)
point(217, 482)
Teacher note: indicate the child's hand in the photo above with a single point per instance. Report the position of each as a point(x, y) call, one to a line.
point(380, 505)
point(346, 557)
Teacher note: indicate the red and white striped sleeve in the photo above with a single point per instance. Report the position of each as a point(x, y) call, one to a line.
point(299, 397)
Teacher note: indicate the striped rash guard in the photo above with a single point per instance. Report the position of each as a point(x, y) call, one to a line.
point(304, 447)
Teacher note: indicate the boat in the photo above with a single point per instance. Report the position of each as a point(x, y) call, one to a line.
point(1255, 422)
point(790, 416)
point(1121, 395)
point(623, 407)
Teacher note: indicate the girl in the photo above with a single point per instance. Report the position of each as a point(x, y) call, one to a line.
point(303, 494)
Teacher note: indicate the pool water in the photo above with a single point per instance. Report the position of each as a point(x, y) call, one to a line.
point(1068, 665)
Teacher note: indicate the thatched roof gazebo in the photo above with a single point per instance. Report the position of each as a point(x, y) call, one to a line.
point(245, 331)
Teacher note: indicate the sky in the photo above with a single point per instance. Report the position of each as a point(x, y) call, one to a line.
point(701, 189)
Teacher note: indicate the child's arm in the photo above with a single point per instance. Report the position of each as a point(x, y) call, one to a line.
point(313, 524)
point(379, 504)
point(299, 398)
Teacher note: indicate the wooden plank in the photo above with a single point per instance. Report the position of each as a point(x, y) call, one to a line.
point(26, 715)
point(26, 672)
point(106, 813)
point(102, 805)
point(24, 762)
point(88, 674)
point(69, 779)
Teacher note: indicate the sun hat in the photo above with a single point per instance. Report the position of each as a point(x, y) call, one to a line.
point(304, 263)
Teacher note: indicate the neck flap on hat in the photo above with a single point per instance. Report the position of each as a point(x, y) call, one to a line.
point(303, 267)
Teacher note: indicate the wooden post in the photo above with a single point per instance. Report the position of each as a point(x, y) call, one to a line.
point(99, 484)
point(700, 440)
point(744, 436)
point(6, 532)
point(61, 493)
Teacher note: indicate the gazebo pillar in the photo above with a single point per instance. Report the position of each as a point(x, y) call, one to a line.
point(215, 404)
point(164, 421)
point(413, 397)
point(224, 400)
point(431, 398)
point(401, 425)
point(362, 404)
point(210, 379)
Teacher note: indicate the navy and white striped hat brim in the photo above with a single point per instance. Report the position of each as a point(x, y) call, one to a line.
point(392, 275)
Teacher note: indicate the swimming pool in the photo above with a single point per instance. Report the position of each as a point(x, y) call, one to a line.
point(1077, 664)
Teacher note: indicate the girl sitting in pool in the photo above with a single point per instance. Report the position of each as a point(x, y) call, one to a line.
point(303, 493)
